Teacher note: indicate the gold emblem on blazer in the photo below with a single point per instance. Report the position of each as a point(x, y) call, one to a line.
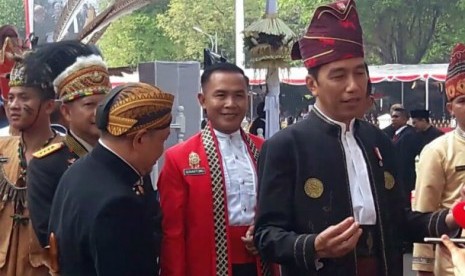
point(194, 164)
point(389, 180)
point(313, 187)
point(194, 160)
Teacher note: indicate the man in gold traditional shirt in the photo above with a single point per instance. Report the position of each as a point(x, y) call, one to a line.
point(30, 102)
point(441, 170)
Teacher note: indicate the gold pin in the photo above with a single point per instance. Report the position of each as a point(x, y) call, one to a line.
point(313, 187)
point(389, 181)
point(194, 160)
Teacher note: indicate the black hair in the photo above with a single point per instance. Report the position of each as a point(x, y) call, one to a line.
point(261, 110)
point(369, 84)
point(49, 60)
point(223, 68)
point(314, 71)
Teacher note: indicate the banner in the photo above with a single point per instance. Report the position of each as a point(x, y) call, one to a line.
point(42, 17)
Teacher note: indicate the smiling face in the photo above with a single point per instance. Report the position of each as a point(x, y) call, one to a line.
point(340, 89)
point(225, 99)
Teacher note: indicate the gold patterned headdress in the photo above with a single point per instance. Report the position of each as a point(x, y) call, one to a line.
point(86, 77)
point(133, 107)
point(18, 74)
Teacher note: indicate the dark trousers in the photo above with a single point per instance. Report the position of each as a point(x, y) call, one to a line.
point(244, 270)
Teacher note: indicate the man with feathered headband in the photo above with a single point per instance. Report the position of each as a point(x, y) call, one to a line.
point(329, 200)
point(29, 104)
point(81, 82)
point(105, 214)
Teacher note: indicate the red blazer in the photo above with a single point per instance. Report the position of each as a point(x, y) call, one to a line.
point(188, 246)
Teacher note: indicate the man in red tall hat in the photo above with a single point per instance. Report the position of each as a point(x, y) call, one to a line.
point(329, 201)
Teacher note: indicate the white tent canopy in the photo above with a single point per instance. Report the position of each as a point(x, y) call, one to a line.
point(296, 75)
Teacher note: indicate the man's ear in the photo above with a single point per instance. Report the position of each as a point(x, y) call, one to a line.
point(312, 85)
point(66, 112)
point(138, 139)
point(449, 108)
point(201, 98)
point(49, 106)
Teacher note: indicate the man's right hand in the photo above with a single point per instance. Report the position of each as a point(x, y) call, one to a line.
point(338, 240)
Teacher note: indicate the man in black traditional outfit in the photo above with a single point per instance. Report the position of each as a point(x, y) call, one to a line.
point(422, 124)
point(329, 202)
point(81, 80)
point(405, 142)
point(105, 214)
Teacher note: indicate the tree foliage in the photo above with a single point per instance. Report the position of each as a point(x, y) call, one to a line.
point(395, 31)
point(213, 17)
point(12, 13)
point(137, 38)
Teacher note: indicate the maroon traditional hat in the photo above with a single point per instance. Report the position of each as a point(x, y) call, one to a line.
point(334, 34)
point(455, 81)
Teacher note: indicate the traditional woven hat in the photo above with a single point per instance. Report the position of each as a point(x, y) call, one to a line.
point(333, 34)
point(133, 107)
point(455, 81)
point(86, 77)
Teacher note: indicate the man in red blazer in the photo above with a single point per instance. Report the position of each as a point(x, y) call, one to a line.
point(208, 187)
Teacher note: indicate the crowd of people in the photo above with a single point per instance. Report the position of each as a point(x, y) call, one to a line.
point(326, 196)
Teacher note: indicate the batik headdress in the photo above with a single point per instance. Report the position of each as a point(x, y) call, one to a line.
point(133, 107)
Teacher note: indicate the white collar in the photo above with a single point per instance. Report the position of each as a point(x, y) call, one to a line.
point(460, 131)
point(342, 125)
point(86, 145)
point(112, 151)
point(221, 135)
point(400, 130)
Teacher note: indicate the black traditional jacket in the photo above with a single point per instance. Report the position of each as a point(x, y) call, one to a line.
point(43, 174)
point(106, 218)
point(304, 188)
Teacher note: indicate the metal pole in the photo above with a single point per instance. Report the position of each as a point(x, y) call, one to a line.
point(251, 105)
point(211, 41)
point(213, 46)
point(427, 94)
point(402, 93)
point(239, 29)
point(216, 42)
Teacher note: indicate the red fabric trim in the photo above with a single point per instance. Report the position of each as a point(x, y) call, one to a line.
point(407, 78)
point(188, 247)
point(238, 253)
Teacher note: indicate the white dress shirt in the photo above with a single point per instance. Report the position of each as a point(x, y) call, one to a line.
point(400, 130)
point(240, 178)
point(357, 170)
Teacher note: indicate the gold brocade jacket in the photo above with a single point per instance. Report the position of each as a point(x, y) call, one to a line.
point(20, 252)
point(440, 176)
